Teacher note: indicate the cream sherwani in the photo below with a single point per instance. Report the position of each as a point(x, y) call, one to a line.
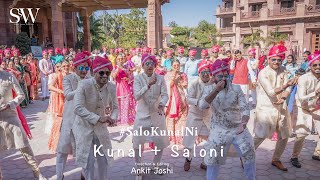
point(308, 111)
point(90, 103)
point(147, 115)
point(271, 118)
point(197, 118)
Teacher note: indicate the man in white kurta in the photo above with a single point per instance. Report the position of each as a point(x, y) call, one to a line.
point(46, 68)
point(271, 111)
point(70, 83)
point(150, 92)
point(230, 114)
point(136, 59)
point(182, 59)
point(197, 118)
point(96, 106)
point(191, 67)
point(307, 98)
point(12, 135)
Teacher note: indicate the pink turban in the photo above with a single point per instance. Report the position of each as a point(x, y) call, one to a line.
point(315, 57)
point(132, 50)
point(215, 48)
point(111, 51)
point(219, 66)
point(204, 52)
point(146, 50)
point(146, 57)
point(6, 51)
point(57, 50)
point(65, 50)
point(120, 50)
point(101, 63)
point(203, 65)
point(16, 51)
point(1, 52)
point(138, 50)
point(278, 50)
point(82, 57)
point(50, 50)
point(192, 52)
point(252, 52)
point(181, 50)
point(44, 52)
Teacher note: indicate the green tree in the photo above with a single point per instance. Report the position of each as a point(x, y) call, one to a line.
point(173, 24)
point(23, 43)
point(275, 37)
point(254, 39)
point(181, 36)
point(205, 35)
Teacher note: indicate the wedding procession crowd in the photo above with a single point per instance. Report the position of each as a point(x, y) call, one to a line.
point(171, 90)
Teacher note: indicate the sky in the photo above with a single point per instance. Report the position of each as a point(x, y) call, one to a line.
point(186, 12)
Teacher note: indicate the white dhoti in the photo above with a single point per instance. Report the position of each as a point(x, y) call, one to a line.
point(44, 87)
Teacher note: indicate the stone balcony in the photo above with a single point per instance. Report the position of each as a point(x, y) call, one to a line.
point(311, 9)
point(225, 10)
point(283, 12)
point(256, 1)
point(226, 30)
point(250, 15)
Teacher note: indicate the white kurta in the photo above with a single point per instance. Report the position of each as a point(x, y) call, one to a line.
point(90, 103)
point(66, 139)
point(269, 115)
point(306, 99)
point(228, 108)
point(197, 118)
point(147, 115)
point(11, 131)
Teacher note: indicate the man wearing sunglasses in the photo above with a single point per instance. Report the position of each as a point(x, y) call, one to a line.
point(150, 92)
point(197, 118)
point(82, 64)
point(271, 112)
point(95, 106)
point(230, 115)
point(308, 102)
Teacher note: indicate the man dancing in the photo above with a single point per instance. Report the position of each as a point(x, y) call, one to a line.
point(70, 83)
point(95, 105)
point(12, 135)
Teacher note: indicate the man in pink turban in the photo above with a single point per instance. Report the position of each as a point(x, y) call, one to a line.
point(197, 118)
point(95, 106)
point(82, 64)
point(214, 53)
point(230, 115)
point(191, 67)
point(182, 59)
point(272, 113)
point(308, 102)
point(168, 62)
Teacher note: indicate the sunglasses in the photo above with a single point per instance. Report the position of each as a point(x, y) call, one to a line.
point(222, 76)
point(81, 68)
point(276, 60)
point(149, 63)
point(205, 73)
point(102, 73)
point(315, 65)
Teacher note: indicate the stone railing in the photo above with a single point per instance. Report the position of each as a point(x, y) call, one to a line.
point(284, 11)
point(313, 9)
point(226, 10)
point(248, 15)
point(226, 29)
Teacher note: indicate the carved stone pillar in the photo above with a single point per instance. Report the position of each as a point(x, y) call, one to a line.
point(57, 24)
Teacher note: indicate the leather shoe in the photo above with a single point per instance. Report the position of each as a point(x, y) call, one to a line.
point(187, 164)
point(203, 166)
point(279, 165)
point(314, 157)
point(82, 177)
point(295, 162)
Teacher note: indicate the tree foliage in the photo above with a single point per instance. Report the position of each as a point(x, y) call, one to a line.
point(173, 24)
point(275, 37)
point(23, 43)
point(254, 39)
point(181, 36)
point(205, 35)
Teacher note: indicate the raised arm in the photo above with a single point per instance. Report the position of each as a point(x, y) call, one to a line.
point(308, 101)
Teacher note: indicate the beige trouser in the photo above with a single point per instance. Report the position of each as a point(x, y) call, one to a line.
point(30, 159)
point(280, 147)
point(298, 145)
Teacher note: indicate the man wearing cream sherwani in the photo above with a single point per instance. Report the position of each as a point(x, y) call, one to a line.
point(96, 106)
point(46, 68)
point(308, 94)
point(150, 92)
point(271, 111)
point(70, 83)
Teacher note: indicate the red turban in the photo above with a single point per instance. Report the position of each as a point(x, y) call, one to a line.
point(192, 52)
point(120, 50)
point(219, 66)
point(181, 50)
point(215, 48)
point(278, 50)
point(6, 51)
point(100, 63)
point(169, 53)
point(82, 57)
point(146, 50)
point(203, 65)
point(314, 57)
point(138, 50)
point(65, 50)
point(57, 50)
point(16, 51)
point(146, 57)
point(50, 50)
point(252, 52)
point(111, 51)
point(44, 52)
point(1, 51)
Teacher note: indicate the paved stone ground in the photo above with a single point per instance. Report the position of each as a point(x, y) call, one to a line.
point(14, 167)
